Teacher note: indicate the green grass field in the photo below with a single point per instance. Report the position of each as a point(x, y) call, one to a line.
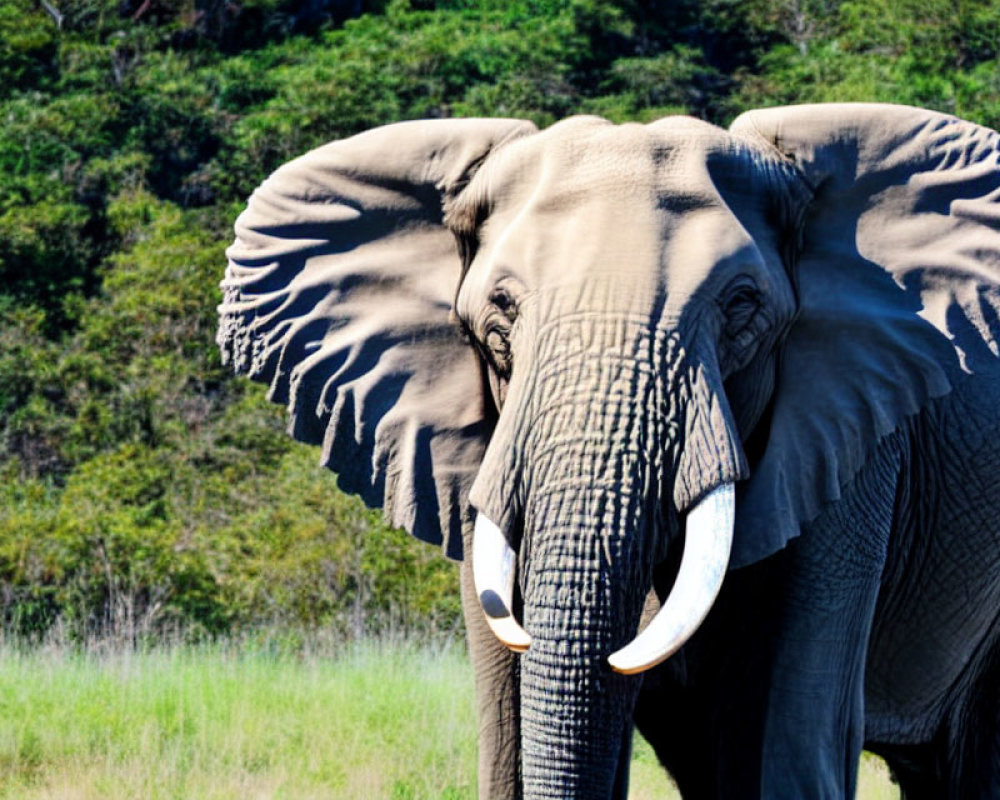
point(374, 721)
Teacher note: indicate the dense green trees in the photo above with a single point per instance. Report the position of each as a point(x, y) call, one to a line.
point(144, 488)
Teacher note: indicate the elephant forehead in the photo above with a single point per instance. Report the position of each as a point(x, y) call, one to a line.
point(586, 159)
point(586, 198)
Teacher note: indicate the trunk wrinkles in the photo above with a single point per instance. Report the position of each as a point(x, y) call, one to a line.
point(612, 402)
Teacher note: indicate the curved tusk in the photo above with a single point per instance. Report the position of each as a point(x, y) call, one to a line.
point(703, 566)
point(493, 568)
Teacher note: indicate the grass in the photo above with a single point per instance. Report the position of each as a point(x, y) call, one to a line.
point(390, 721)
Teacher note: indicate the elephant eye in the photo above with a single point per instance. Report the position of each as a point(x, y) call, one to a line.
point(498, 348)
point(504, 302)
point(741, 306)
point(499, 316)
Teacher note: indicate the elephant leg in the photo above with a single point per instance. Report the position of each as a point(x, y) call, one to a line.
point(963, 760)
point(933, 683)
point(767, 699)
point(915, 768)
point(970, 751)
point(497, 698)
point(980, 777)
point(701, 709)
point(814, 713)
point(674, 723)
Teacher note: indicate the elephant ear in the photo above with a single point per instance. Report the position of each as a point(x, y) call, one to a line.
point(898, 278)
point(339, 295)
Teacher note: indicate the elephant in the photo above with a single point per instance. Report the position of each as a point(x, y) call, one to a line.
point(713, 416)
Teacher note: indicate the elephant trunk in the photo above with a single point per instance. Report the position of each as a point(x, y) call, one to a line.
point(582, 597)
point(616, 430)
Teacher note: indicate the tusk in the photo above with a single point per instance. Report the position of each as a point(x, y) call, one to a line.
point(493, 567)
point(703, 566)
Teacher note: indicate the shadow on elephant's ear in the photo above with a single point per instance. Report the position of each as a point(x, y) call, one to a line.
point(899, 303)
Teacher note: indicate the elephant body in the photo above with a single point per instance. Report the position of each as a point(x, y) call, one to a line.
point(887, 599)
point(565, 352)
point(906, 629)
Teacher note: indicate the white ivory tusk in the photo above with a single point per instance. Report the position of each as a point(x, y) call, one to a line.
point(494, 565)
point(708, 540)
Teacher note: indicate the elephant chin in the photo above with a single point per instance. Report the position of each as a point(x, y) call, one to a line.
point(707, 542)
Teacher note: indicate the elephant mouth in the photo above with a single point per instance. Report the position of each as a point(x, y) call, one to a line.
point(707, 544)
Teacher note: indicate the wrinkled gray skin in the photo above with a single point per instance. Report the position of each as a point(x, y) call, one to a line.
point(580, 332)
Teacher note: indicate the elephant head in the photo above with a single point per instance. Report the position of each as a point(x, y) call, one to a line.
point(580, 340)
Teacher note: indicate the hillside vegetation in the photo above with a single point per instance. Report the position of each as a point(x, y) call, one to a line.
point(143, 488)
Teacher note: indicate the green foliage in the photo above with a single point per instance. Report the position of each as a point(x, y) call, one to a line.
point(145, 489)
point(678, 81)
point(27, 46)
point(932, 53)
point(498, 59)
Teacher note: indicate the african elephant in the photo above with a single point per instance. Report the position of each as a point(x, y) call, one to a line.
point(604, 359)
